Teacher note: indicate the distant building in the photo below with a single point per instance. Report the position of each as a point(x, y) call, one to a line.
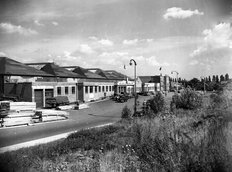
point(146, 84)
point(93, 86)
point(162, 82)
point(64, 83)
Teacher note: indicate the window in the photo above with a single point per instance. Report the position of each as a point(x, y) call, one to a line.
point(103, 88)
point(95, 89)
point(110, 88)
point(91, 89)
point(86, 89)
point(99, 88)
point(106, 88)
point(73, 90)
point(58, 90)
point(66, 90)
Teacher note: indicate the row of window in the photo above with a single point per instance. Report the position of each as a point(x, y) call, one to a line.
point(90, 89)
point(66, 90)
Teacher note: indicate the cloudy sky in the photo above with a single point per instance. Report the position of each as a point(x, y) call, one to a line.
point(193, 37)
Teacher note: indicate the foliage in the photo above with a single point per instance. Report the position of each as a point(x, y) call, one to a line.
point(126, 113)
point(157, 103)
point(189, 141)
point(195, 84)
point(188, 99)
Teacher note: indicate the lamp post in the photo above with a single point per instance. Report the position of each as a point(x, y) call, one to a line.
point(135, 64)
point(176, 79)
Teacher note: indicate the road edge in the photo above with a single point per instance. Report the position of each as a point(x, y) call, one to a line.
point(44, 140)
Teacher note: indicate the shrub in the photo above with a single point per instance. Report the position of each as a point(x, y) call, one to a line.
point(126, 113)
point(188, 99)
point(157, 103)
point(217, 101)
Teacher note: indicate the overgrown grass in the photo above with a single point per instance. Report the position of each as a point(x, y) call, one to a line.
point(187, 140)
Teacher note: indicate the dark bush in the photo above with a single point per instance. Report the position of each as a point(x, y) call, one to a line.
point(188, 99)
point(126, 113)
point(157, 103)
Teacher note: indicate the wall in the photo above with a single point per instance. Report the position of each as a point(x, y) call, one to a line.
point(95, 95)
point(23, 91)
point(148, 87)
point(54, 85)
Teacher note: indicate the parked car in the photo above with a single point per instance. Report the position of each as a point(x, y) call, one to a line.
point(57, 101)
point(122, 98)
point(146, 93)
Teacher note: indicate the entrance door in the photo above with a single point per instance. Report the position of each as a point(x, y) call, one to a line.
point(39, 98)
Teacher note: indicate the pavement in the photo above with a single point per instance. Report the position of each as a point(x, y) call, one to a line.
point(98, 114)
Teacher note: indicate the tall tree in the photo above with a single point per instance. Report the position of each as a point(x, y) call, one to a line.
point(193, 83)
point(209, 79)
point(222, 78)
point(214, 78)
point(217, 78)
point(227, 77)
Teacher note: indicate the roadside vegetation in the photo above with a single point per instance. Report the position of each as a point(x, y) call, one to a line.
point(187, 134)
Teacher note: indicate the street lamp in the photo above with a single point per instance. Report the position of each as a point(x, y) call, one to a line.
point(135, 64)
point(176, 79)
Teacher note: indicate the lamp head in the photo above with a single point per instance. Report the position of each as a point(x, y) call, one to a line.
point(130, 63)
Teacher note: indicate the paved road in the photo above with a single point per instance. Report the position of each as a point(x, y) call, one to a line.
point(99, 113)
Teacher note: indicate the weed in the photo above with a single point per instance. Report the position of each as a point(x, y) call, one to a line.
point(126, 113)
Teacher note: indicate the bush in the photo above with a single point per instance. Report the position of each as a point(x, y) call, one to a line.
point(126, 113)
point(188, 99)
point(157, 103)
point(217, 101)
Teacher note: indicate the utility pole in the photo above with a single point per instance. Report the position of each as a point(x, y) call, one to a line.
point(135, 103)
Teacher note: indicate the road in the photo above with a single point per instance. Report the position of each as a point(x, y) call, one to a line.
point(99, 113)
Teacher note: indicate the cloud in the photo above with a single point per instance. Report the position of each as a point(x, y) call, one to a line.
point(55, 23)
point(149, 40)
point(153, 61)
point(10, 28)
point(198, 51)
point(93, 38)
point(106, 42)
point(37, 22)
point(130, 42)
point(220, 36)
point(116, 54)
point(2, 54)
point(86, 49)
point(193, 62)
point(179, 13)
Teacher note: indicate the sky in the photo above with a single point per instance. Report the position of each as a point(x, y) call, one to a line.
point(192, 37)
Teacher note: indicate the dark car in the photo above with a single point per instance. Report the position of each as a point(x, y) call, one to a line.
point(122, 98)
point(57, 101)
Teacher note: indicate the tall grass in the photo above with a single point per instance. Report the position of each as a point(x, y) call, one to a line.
point(190, 140)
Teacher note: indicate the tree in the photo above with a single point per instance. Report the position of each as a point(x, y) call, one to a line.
point(209, 79)
point(194, 83)
point(214, 78)
point(222, 78)
point(217, 79)
point(227, 77)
